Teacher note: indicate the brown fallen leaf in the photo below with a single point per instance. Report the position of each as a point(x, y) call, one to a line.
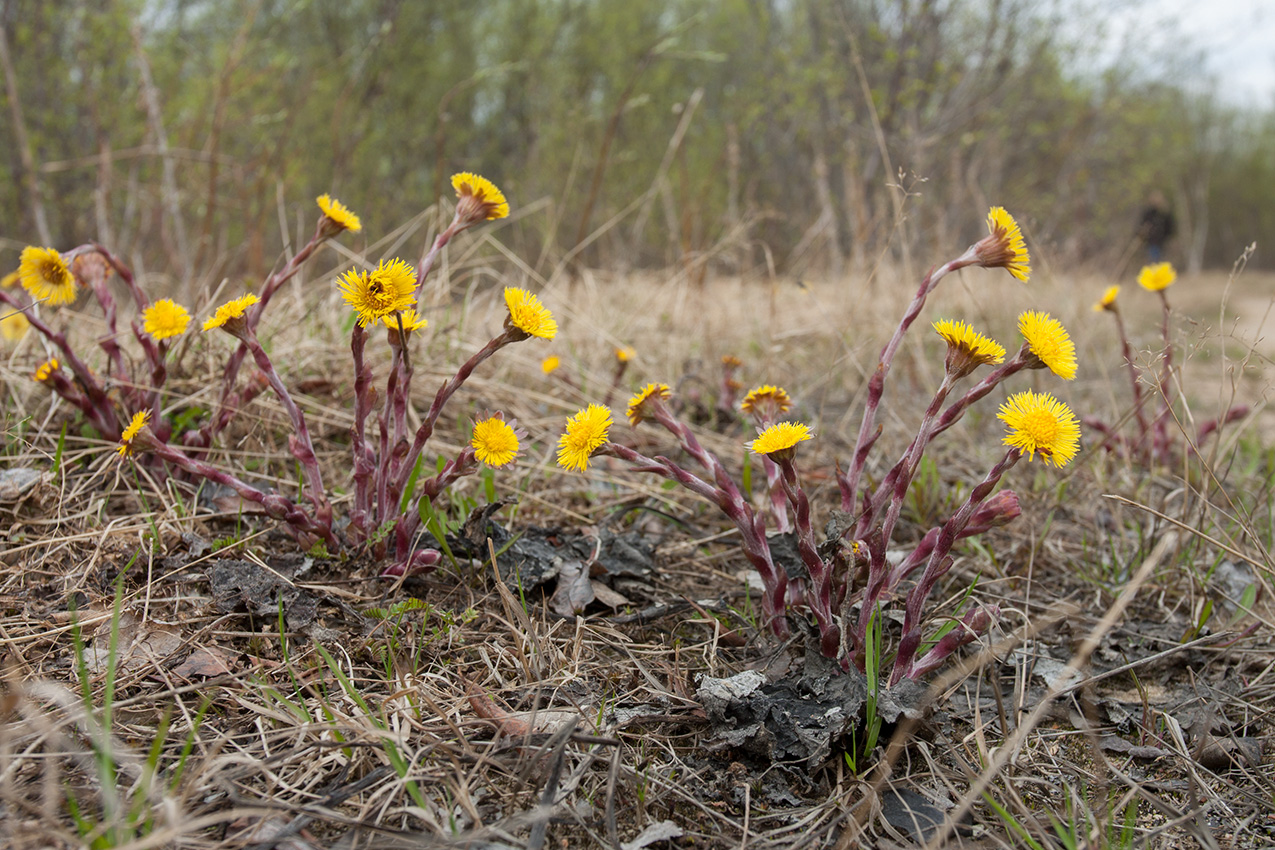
point(204, 663)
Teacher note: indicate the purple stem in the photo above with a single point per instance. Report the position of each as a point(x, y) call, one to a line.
point(820, 598)
point(300, 444)
point(752, 529)
point(445, 392)
point(100, 410)
point(938, 564)
point(364, 460)
point(876, 384)
point(275, 505)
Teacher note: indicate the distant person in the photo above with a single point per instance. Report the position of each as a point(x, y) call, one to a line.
point(1157, 226)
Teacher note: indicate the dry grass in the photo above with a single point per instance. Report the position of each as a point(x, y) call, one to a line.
point(482, 719)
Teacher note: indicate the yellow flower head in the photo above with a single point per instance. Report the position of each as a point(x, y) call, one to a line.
point(528, 315)
point(1152, 278)
point(550, 364)
point(478, 199)
point(411, 321)
point(14, 326)
point(966, 348)
point(495, 442)
point(587, 431)
point(1049, 342)
point(11, 279)
point(1004, 248)
point(130, 433)
point(45, 370)
point(339, 215)
point(230, 311)
point(46, 275)
point(165, 319)
point(1038, 422)
point(766, 403)
point(780, 440)
point(1108, 299)
point(624, 354)
point(651, 394)
point(387, 289)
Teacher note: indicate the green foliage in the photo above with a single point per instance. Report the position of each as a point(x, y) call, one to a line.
point(578, 101)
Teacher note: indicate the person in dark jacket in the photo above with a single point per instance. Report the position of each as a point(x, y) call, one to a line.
point(1157, 226)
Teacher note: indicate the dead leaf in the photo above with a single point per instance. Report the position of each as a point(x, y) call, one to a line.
point(574, 591)
point(665, 830)
point(204, 663)
point(613, 599)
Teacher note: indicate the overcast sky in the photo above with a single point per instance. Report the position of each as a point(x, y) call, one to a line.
point(1237, 37)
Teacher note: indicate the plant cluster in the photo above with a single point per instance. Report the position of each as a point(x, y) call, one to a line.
point(390, 500)
point(1152, 441)
point(849, 568)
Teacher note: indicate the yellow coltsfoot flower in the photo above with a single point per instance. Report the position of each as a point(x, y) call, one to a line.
point(14, 325)
point(624, 354)
point(165, 318)
point(1050, 343)
point(1038, 422)
point(639, 405)
point(528, 315)
point(230, 314)
point(337, 216)
point(130, 433)
point(586, 432)
point(46, 370)
point(411, 321)
point(766, 403)
point(1108, 300)
point(46, 276)
point(495, 442)
point(478, 199)
point(387, 289)
point(780, 441)
point(1157, 276)
point(966, 348)
point(550, 364)
point(1004, 247)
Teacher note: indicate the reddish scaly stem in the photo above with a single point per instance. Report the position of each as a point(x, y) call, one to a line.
point(820, 597)
point(299, 443)
point(275, 505)
point(876, 384)
point(752, 529)
point(1138, 401)
point(364, 462)
point(939, 562)
point(102, 411)
point(426, 430)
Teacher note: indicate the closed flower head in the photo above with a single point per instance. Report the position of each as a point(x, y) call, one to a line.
point(1049, 343)
point(1152, 278)
point(165, 318)
point(1038, 422)
point(966, 348)
point(624, 354)
point(550, 364)
point(586, 432)
point(528, 315)
point(640, 406)
point(130, 433)
point(780, 441)
point(11, 279)
point(495, 442)
point(1108, 300)
point(46, 275)
point(337, 217)
point(387, 289)
point(1003, 247)
point(478, 199)
point(46, 370)
point(229, 316)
